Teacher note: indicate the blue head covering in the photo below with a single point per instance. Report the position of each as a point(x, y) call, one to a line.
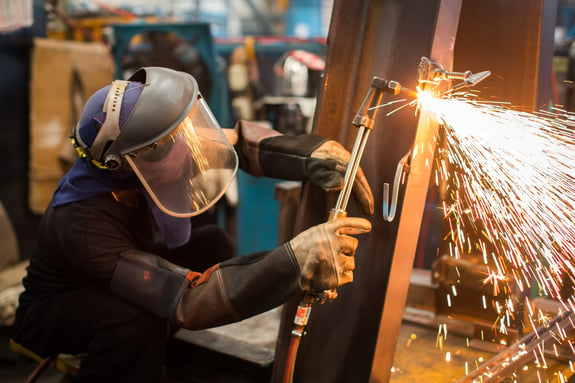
point(84, 180)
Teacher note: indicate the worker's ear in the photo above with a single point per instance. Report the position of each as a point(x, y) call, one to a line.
point(231, 135)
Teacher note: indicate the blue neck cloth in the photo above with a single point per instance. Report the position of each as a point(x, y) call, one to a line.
point(85, 181)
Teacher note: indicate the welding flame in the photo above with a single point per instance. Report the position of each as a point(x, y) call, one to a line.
point(510, 180)
point(512, 177)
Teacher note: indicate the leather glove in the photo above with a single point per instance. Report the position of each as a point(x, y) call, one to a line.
point(326, 168)
point(325, 253)
point(265, 152)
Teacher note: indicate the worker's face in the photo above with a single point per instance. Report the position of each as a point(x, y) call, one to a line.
point(187, 171)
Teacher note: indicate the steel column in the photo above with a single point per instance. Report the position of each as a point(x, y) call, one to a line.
point(517, 48)
point(353, 339)
point(417, 185)
point(367, 38)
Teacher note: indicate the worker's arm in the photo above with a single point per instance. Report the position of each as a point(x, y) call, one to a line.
point(318, 259)
point(266, 152)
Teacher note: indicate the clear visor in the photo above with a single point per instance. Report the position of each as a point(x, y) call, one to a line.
point(189, 170)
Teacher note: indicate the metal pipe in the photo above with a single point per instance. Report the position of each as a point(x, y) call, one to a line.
point(353, 165)
point(523, 351)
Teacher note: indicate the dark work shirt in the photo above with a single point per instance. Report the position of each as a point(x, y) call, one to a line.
point(80, 242)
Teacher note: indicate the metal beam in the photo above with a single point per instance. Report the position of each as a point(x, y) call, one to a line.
point(517, 48)
point(417, 185)
point(367, 38)
point(353, 338)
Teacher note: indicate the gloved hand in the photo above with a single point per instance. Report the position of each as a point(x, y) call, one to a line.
point(265, 152)
point(326, 168)
point(325, 253)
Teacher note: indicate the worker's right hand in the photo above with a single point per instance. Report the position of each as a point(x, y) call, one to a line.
point(325, 253)
point(326, 168)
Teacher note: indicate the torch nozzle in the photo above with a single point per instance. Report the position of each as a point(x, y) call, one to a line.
point(392, 87)
point(396, 88)
point(477, 77)
point(372, 100)
point(471, 80)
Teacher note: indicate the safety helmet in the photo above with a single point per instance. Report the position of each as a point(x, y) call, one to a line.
point(158, 125)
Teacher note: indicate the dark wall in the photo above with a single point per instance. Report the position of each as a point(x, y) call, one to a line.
point(517, 48)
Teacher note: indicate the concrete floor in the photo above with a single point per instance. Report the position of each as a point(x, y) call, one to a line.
point(419, 358)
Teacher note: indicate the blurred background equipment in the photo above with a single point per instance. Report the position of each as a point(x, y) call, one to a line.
point(188, 47)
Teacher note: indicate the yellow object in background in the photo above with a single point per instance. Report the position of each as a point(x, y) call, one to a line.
point(57, 68)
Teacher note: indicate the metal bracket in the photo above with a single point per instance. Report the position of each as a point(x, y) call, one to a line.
point(390, 207)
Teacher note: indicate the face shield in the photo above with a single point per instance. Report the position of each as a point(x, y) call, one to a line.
point(189, 170)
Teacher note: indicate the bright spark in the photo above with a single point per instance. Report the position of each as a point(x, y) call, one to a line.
point(516, 173)
point(510, 178)
point(494, 278)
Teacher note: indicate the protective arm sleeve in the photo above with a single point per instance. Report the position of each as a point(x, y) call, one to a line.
point(317, 259)
point(239, 288)
point(266, 152)
point(228, 292)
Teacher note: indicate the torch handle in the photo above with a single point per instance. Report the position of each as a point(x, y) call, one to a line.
point(364, 120)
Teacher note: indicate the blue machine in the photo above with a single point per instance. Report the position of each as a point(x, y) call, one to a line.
point(199, 36)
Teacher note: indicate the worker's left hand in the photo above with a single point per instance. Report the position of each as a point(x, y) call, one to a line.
point(326, 168)
point(325, 253)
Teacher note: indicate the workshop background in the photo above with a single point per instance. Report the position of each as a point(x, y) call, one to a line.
point(267, 61)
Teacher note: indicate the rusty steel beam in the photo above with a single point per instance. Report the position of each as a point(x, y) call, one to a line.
point(417, 185)
point(517, 48)
point(405, 248)
point(354, 337)
point(367, 38)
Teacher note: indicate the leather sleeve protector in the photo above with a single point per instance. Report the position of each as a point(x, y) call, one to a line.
point(249, 136)
point(149, 282)
point(286, 157)
point(266, 152)
point(240, 288)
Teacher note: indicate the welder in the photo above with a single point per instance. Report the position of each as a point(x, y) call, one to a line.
point(118, 266)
